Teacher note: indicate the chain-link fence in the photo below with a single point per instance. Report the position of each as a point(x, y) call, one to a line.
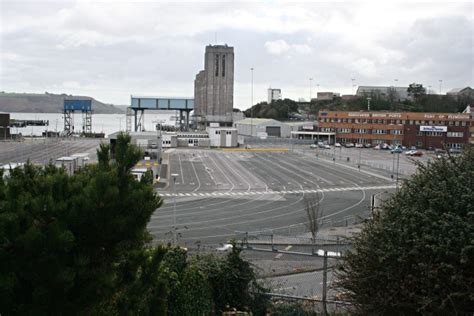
point(314, 290)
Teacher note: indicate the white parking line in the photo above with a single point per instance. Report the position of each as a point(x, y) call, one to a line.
point(381, 187)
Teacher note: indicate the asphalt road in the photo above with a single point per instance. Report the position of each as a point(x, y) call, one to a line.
point(219, 193)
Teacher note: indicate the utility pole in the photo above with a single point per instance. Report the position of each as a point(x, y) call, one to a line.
point(398, 165)
point(251, 103)
point(174, 176)
point(440, 82)
point(325, 281)
point(310, 89)
point(353, 79)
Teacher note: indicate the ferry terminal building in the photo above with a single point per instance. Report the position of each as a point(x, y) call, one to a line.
point(423, 130)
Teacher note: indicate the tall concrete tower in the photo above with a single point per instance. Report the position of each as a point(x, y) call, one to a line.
point(214, 86)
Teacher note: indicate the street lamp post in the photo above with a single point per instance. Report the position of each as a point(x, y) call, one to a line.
point(352, 87)
point(440, 82)
point(310, 89)
point(251, 103)
point(174, 176)
point(398, 165)
point(360, 153)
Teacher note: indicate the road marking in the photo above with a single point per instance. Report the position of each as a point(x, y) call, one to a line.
point(287, 248)
point(380, 187)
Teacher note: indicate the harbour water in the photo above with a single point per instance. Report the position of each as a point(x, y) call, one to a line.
point(101, 123)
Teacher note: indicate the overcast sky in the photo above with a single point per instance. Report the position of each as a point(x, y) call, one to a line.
point(111, 49)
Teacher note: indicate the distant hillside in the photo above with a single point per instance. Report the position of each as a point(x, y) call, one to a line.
point(47, 103)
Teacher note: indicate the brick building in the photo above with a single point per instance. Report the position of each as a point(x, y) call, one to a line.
point(423, 130)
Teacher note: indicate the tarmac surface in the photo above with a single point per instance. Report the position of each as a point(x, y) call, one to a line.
point(220, 194)
point(43, 150)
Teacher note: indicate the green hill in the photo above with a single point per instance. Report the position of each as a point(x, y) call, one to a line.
point(47, 103)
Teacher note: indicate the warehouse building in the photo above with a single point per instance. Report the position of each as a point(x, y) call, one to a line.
point(423, 130)
point(259, 127)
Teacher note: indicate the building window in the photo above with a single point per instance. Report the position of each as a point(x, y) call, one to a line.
point(223, 65)
point(344, 130)
point(463, 123)
point(434, 134)
point(217, 65)
point(455, 146)
point(396, 132)
point(455, 134)
point(419, 144)
point(379, 131)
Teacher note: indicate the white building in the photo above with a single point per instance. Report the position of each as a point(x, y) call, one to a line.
point(273, 95)
point(169, 140)
point(223, 136)
point(384, 92)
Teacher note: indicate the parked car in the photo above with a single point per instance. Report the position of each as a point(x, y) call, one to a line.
point(367, 145)
point(397, 150)
point(415, 153)
point(385, 147)
point(327, 146)
point(313, 146)
point(455, 151)
point(377, 147)
point(337, 145)
point(349, 145)
point(359, 145)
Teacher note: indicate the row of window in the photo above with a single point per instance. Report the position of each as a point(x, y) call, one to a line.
point(217, 65)
point(380, 121)
point(226, 132)
point(439, 134)
point(365, 131)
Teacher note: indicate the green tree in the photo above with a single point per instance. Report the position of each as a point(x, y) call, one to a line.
point(234, 284)
point(416, 90)
point(417, 256)
point(64, 240)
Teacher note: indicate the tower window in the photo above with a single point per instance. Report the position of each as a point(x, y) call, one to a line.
point(223, 65)
point(217, 65)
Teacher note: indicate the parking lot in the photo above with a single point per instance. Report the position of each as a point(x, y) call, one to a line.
point(43, 150)
point(220, 193)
